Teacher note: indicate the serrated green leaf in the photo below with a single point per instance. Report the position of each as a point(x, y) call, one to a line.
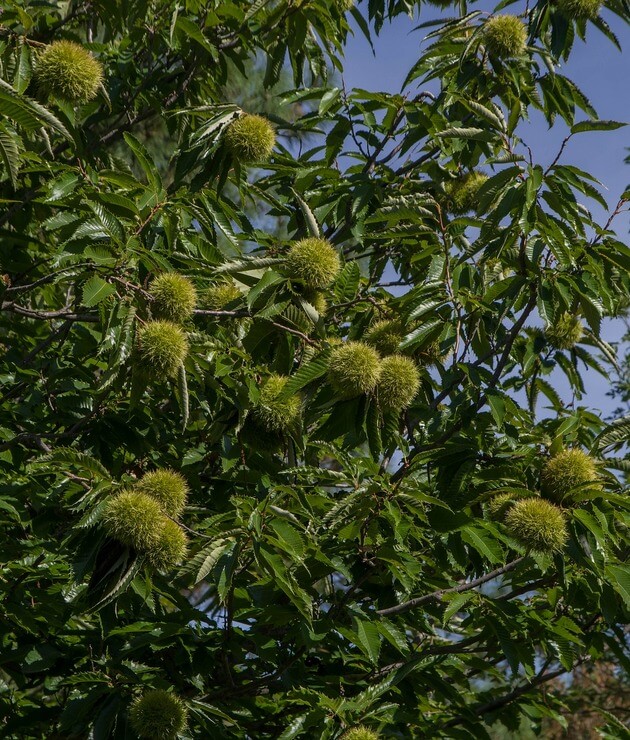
point(369, 639)
point(582, 126)
point(96, 290)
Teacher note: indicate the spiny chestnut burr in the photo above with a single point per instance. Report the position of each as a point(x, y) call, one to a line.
point(361, 733)
point(250, 138)
point(354, 368)
point(565, 332)
point(167, 487)
point(462, 192)
point(537, 525)
point(273, 413)
point(69, 72)
point(162, 348)
point(313, 261)
point(398, 382)
point(317, 299)
point(505, 36)
point(158, 715)
point(498, 506)
point(385, 336)
point(134, 519)
point(565, 472)
point(220, 295)
point(170, 547)
point(174, 297)
point(579, 9)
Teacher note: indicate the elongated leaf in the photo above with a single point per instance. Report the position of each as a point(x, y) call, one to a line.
point(620, 580)
point(310, 219)
point(182, 385)
point(306, 374)
point(483, 542)
point(369, 639)
point(10, 152)
point(247, 265)
point(582, 126)
point(212, 554)
point(479, 134)
point(76, 460)
point(616, 432)
point(96, 290)
point(145, 161)
point(27, 112)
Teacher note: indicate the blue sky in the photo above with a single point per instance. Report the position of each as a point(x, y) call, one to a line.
point(597, 67)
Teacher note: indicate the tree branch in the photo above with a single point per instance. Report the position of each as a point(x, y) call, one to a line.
point(51, 277)
point(460, 588)
point(505, 356)
point(463, 646)
point(63, 313)
point(540, 678)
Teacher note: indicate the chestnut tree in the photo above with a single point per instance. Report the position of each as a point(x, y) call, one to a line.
point(293, 437)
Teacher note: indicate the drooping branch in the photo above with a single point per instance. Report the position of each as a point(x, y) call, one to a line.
point(68, 315)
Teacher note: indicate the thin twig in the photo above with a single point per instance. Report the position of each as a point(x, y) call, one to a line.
point(246, 314)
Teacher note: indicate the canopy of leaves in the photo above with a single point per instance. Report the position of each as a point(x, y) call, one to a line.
point(343, 568)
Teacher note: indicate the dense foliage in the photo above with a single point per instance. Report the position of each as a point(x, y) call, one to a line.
point(338, 484)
